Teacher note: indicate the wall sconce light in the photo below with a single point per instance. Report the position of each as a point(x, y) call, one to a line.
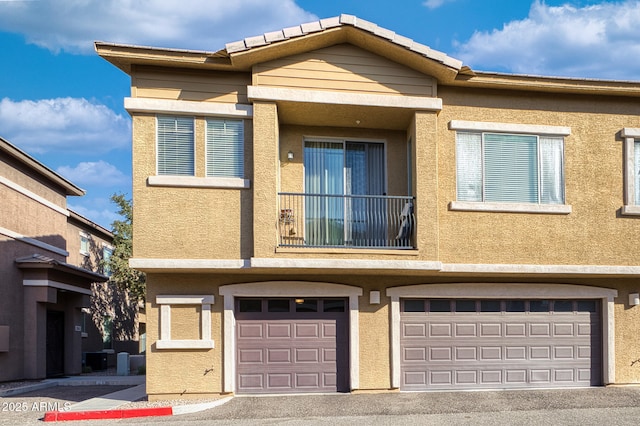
point(290, 155)
point(634, 299)
point(374, 297)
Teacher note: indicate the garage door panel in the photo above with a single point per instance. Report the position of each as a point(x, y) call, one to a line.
point(276, 331)
point(515, 330)
point(466, 330)
point(250, 331)
point(278, 355)
point(490, 330)
point(440, 330)
point(515, 349)
point(307, 331)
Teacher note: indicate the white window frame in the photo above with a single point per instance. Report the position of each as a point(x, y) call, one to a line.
point(166, 342)
point(527, 129)
point(193, 142)
point(85, 237)
point(105, 269)
point(631, 206)
point(212, 142)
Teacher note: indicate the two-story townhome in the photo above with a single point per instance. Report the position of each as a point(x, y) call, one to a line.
point(334, 207)
point(48, 261)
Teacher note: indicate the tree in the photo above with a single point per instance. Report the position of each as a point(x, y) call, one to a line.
point(126, 279)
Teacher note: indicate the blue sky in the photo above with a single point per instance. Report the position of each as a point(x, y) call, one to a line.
point(63, 104)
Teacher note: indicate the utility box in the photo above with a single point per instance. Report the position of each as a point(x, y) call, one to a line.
point(122, 366)
point(96, 360)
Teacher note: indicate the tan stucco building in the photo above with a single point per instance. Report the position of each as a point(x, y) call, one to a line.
point(335, 207)
point(49, 258)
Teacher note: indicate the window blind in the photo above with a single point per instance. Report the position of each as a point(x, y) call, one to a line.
point(225, 148)
point(636, 166)
point(511, 168)
point(175, 146)
point(469, 166)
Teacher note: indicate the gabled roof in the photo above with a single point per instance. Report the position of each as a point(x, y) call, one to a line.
point(339, 21)
point(242, 55)
point(67, 186)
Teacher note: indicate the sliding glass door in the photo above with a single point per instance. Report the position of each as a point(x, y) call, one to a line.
point(340, 179)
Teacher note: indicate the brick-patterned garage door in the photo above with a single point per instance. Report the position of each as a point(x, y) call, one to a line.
point(496, 344)
point(292, 345)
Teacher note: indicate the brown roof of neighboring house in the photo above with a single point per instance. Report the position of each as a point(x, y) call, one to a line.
point(68, 187)
point(38, 261)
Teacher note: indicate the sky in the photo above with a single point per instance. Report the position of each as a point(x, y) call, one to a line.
point(63, 105)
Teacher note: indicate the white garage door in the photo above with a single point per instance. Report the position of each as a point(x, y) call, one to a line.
point(495, 344)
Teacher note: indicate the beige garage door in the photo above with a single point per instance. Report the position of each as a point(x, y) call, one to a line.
point(292, 345)
point(496, 344)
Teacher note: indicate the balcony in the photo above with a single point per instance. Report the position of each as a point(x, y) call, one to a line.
point(346, 221)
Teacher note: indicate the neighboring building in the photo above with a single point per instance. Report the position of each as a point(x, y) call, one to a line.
point(335, 207)
point(45, 283)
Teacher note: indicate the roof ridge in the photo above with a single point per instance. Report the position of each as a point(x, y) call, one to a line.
point(338, 21)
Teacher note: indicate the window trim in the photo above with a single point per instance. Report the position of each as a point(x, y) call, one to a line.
point(165, 341)
point(514, 128)
point(631, 206)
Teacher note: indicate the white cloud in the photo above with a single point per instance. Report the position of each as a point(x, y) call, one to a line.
point(73, 25)
point(94, 173)
point(598, 41)
point(434, 4)
point(64, 125)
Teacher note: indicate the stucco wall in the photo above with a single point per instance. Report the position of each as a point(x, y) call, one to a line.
point(194, 372)
point(593, 233)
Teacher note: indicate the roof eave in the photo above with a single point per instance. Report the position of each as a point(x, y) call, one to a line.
point(24, 158)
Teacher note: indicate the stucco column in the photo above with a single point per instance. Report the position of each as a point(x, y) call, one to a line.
point(265, 177)
point(425, 182)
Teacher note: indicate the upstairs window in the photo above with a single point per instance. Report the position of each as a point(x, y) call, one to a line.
point(631, 137)
point(84, 244)
point(510, 168)
point(225, 148)
point(107, 251)
point(175, 146)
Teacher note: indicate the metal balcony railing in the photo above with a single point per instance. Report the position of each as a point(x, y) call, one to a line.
point(351, 221)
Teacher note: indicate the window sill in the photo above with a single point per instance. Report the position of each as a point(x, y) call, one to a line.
point(510, 207)
point(355, 251)
point(185, 344)
point(631, 210)
point(198, 182)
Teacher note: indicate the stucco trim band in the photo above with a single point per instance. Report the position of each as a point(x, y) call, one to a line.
point(146, 105)
point(55, 284)
point(19, 237)
point(509, 207)
point(257, 262)
point(199, 182)
point(506, 291)
point(288, 289)
point(198, 265)
point(258, 93)
point(482, 126)
point(33, 196)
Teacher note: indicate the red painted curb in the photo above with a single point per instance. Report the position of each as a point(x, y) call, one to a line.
point(58, 416)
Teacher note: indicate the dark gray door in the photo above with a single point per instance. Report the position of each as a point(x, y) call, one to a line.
point(475, 344)
point(55, 343)
point(292, 345)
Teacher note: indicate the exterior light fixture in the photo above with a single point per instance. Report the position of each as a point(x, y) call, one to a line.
point(374, 297)
point(634, 299)
point(290, 155)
